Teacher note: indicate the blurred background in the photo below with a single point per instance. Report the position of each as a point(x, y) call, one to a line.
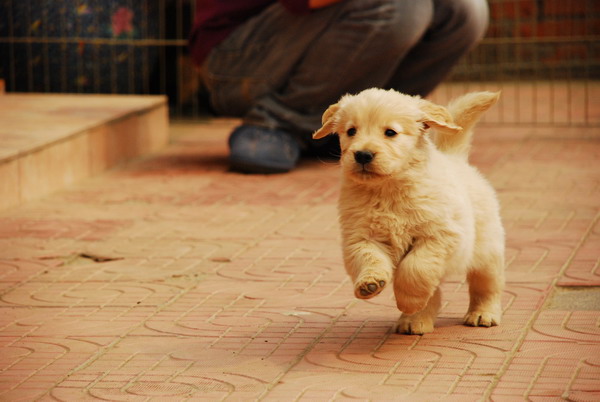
point(545, 53)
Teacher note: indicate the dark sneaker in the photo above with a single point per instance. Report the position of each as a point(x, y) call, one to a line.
point(256, 149)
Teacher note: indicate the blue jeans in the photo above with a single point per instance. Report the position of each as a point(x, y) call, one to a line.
point(281, 71)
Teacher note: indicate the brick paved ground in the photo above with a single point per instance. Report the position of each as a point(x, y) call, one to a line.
point(174, 279)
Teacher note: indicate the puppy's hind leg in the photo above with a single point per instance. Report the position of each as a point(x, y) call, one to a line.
point(370, 268)
point(485, 291)
point(423, 321)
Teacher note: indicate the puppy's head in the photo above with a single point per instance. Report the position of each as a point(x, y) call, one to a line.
point(382, 132)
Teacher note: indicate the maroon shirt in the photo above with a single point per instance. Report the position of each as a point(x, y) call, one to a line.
point(215, 19)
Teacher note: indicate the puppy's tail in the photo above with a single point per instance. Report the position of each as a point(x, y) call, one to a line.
point(466, 112)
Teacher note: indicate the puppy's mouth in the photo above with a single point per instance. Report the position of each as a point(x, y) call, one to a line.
point(364, 169)
point(365, 172)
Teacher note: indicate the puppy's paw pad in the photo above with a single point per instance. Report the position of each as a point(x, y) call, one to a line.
point(414, 326)
point(368, 288)
point(481, 319)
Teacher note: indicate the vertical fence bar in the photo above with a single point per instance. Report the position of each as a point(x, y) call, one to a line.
point(162, 55)
point(45, 58)
point(569, 53)
point(145, 33)
point(29, 57)
point(178, 33)
point(589, 48)
point(535, 51)
point(131, 49)
point(501, 49)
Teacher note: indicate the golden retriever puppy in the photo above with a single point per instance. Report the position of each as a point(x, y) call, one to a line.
point(411, 208)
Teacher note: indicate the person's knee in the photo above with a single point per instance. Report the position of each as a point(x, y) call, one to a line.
point(402, 22)
point(469, 18)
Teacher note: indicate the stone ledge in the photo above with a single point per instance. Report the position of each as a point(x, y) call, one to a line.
point(49, 141)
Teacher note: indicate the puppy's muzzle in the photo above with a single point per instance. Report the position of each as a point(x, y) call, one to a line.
point(364, 157)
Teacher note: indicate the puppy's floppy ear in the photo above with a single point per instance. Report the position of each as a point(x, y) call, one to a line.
point(438, 117)
point(328, 121)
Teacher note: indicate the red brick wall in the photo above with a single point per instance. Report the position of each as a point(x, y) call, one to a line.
point(544, 18)
point(539, 39)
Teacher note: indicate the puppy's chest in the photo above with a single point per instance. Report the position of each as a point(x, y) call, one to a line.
point(386, 223)
point(388, 226)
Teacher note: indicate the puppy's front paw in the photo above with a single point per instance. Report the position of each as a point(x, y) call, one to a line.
point(482, 319)
point(369, 286)
point(415, 324)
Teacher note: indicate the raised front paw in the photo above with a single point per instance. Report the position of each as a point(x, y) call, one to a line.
point(482, 319)
point(369, 286)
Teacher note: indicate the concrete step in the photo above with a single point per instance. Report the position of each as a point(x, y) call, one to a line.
point(49, 141)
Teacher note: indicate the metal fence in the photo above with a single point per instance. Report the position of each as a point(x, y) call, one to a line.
point(545, 57)
point(543, 54)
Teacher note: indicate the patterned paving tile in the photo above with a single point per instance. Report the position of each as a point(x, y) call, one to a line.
point(173, 278)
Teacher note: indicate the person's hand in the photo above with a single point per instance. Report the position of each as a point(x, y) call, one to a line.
point(321, 3)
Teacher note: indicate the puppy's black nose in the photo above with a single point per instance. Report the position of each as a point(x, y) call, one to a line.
point(363, 157)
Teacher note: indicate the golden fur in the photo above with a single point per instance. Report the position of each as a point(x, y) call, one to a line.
point(411, 208)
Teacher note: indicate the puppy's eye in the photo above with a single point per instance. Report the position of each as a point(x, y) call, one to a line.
point(351, 132)
point(390, 133)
